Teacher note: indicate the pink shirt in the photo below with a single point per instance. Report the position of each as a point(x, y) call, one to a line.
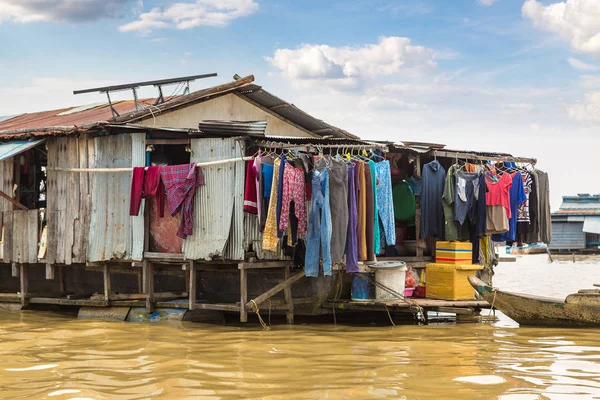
point(499, 192)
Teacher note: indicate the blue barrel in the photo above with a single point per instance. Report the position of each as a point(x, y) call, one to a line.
point(361, 288)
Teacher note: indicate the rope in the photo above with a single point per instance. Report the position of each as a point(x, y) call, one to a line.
point(389, 315)
point(257, 311)
point(493, 302)
point(416, 309)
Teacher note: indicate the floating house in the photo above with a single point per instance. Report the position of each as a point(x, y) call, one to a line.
point(576, 224)
point(68, 238)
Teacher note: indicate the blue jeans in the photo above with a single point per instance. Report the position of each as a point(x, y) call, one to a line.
point(318, 241)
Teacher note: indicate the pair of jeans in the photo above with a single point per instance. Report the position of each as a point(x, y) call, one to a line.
point(318, 241)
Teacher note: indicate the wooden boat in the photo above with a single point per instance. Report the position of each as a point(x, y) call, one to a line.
point(537, 248)
point(581, 309)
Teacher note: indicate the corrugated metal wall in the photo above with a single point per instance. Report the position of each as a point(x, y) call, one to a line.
point(111, 230)
point(6, 185)
point(68, 200)
point(253, 240)
point(138, 159)
point(214, 214)
point(567, 235)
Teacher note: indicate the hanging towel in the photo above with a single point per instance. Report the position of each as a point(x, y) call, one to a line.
point(146, 184)
point(250, 200)
point(181, 182)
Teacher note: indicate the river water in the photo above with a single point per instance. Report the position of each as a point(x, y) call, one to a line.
point(52, 356)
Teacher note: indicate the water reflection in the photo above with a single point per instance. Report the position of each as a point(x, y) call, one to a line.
point(52, 356)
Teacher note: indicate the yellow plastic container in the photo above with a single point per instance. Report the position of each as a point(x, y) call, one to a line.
point(449, 281)
point(453, 253)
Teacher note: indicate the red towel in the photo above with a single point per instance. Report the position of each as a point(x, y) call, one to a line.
point(146, 184)
point(250, 200)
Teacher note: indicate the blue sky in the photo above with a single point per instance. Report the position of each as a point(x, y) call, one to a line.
point(521, 76)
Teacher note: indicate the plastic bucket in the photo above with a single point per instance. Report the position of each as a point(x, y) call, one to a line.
point(361, 288)
point(390, 275)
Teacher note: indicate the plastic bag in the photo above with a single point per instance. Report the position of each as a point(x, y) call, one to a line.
point(412, 278)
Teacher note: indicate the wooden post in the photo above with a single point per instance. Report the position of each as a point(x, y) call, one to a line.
point(144, 277)
point(14, 270)
point(192, 284)
point(149, 268)
point(140, 282)
point(107, 284)
point(287, 291)
point(24, 284)
point(243, 295)
point(62, 279)
point(50, 272)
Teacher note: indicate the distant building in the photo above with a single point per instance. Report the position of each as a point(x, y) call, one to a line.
point(576, 225)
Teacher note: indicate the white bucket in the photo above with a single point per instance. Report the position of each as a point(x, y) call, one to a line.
point(390, 274)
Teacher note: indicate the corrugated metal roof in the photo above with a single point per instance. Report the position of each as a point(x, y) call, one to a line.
point(77, 116)
point(579, 211)
point(11, 149)
point(291, 112)
point(232, 128)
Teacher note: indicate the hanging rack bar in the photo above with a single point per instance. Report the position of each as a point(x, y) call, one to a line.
point(204, 164)
point(471, 156)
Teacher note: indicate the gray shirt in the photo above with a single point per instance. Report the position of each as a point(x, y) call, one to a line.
point(432, 213)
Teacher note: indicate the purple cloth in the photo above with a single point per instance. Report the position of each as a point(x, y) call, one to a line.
point(352, 241)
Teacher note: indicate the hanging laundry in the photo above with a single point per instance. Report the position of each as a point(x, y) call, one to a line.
point(432, 217)
point(451, 227)
point(376, 227)
point(257, 166)
point(282, 162)
point(517, 197)
point(250, 199)
point(338, 200)
point(352, 238)
point(362, 213)
point(370, 220)
point(181, 182)
point(270, 239)
point(293, 191)
point(498, 203)
point(467, 192)
point(318, 240)
point(385, 201)
point(544, 204)
point(523, 218)
point(146, 183)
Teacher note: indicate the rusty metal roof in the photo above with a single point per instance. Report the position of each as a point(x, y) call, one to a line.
point(74, 119)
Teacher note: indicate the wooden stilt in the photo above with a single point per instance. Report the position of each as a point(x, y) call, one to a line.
point(192, 284)
point(419, 252)
point(144, 277)
point(14, 272)
point(50, 272)
point(149, 268)
point(107, 284)
point(140, 283)
point(24, 284)
point(243, 295)
point(287, 291)
point(62, 279)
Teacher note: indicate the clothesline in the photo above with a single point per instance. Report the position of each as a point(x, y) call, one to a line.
point(129, 169)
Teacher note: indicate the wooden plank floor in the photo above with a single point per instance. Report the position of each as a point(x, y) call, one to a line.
point(401, 304)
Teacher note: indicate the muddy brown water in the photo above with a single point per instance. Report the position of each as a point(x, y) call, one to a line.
point(53, 356)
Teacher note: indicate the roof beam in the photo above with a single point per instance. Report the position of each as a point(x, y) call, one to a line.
point(322, 130)
point(278, 106)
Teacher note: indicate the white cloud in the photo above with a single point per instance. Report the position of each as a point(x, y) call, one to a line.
point(577, 21)
point(347, 67)
point(589, 81)
point(64, 10)
point(580, 65)
point(588, 110)
point(487, 2)
point(518, 107)
point(217, 13)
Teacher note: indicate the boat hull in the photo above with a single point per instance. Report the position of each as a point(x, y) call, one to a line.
point(577, 310)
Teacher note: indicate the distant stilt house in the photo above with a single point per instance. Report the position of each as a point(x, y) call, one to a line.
point(576, 225)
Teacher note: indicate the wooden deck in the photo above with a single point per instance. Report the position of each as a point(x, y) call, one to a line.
point(406, 305)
